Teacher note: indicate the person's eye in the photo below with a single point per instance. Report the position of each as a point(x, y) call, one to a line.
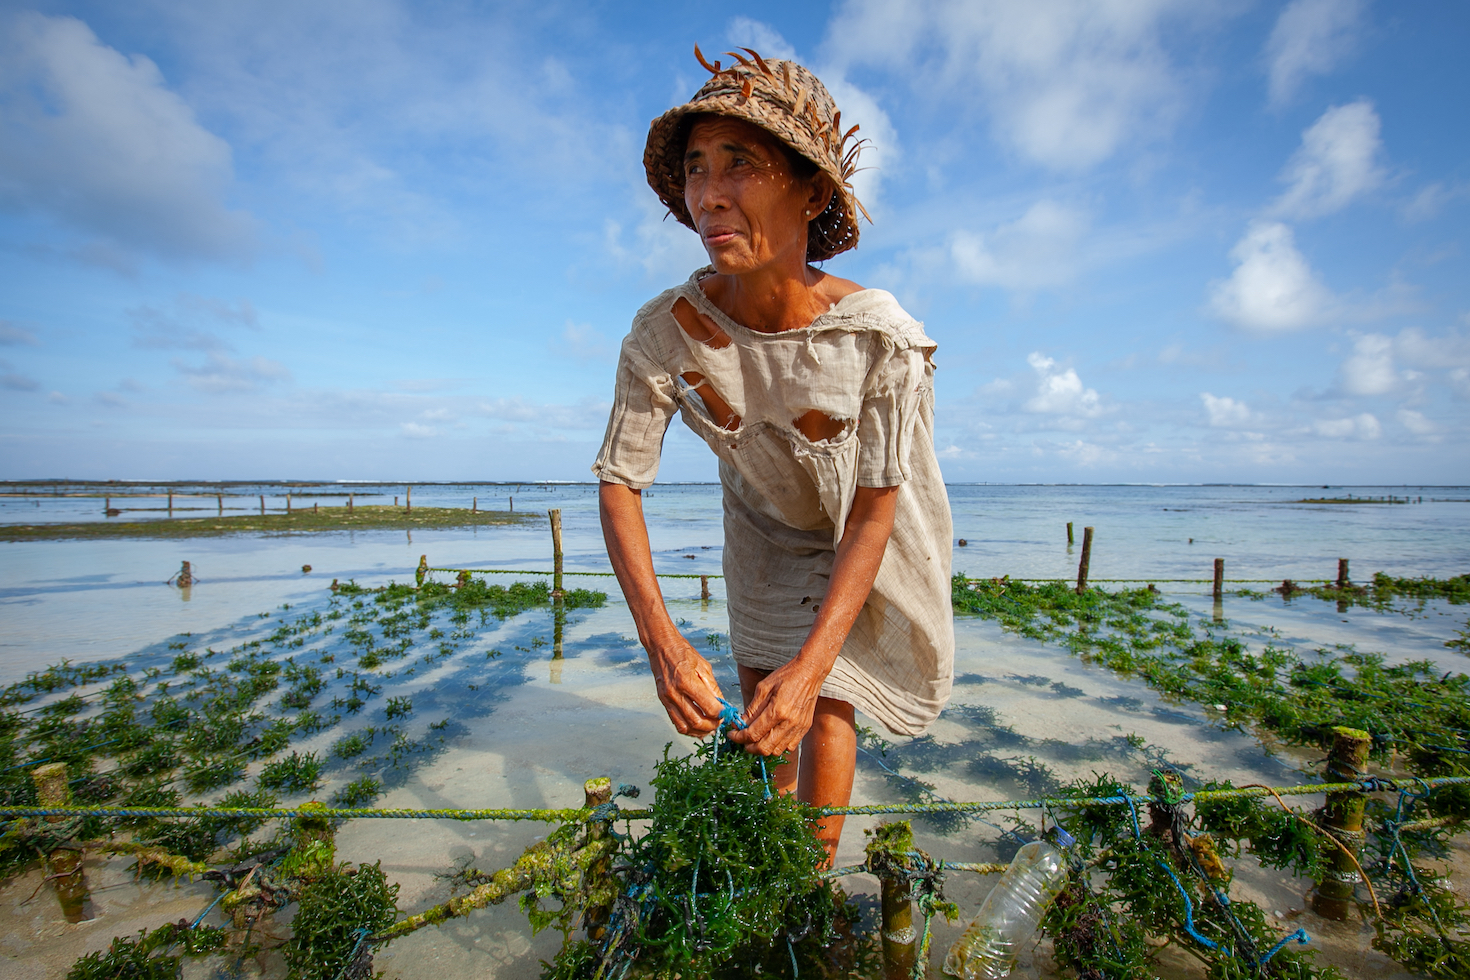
point(691, 169)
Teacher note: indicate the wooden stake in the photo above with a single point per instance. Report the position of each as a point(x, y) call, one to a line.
point(408, 500)
point(349, 503)
point(474, 505)
point(186, 576)
point(512, 504)
point(1342, 574)
point(106, 504)
point(262, 505)
point(704, 587)
point(555, 515)
point(288, 504)
point(1343, 819)
point(890, 845)
point(63, 865)
point(597, 792)
point(1219, 578)
point(1086, 560)
point(219, 499)
point(313, 506)
point(170, 503)
point(1069, 532)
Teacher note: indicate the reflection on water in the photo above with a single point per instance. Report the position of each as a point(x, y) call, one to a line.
point(519, 712)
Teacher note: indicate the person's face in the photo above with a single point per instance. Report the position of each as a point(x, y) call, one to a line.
point(748, 207)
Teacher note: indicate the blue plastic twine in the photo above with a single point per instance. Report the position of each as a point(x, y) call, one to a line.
point(730, 717)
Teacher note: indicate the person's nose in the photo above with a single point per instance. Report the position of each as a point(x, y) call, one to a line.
point(714, 193)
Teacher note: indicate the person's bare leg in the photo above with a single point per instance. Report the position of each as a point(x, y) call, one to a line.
point(822, 772)
point(785, 775)
point(828, 758)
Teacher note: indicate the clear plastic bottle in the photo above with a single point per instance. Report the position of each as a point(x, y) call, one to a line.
point(1012, 912)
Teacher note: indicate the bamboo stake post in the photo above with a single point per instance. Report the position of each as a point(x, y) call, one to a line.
point(474, 505)
point(219, 499)
point(1086, 560)
point(288, 504)
point(1069, 532)
point(1343, 819)
point(262, 505)
point(313, 506)
point(598, 792)
point(704, 587)
point(1342, 574)
point(106, 504)
point(1219, 591)
point(512, 504)
point(888, 848)
point(556, 556)
point(349, 503)
point(63, 865)
point(170, 503)
point(408, 500)
point(558, 630)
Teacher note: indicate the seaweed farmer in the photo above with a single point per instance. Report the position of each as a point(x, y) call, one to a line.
point(817, 396)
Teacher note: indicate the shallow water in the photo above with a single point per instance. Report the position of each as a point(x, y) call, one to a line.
point(525, 729)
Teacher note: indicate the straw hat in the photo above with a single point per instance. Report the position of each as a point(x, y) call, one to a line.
point(791, 104)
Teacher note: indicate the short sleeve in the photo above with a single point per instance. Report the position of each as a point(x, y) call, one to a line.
point(641, 412)
point(898, 385)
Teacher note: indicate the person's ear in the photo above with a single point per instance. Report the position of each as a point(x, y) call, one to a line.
point(820, 195)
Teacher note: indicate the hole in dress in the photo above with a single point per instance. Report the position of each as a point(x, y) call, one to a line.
point(819, 426)
point(699, 327)
point(719, 410)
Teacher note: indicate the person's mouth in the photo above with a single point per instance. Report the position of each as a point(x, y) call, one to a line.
point(718, 235)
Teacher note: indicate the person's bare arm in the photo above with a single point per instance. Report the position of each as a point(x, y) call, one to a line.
point(781, 712)
point(685, 682)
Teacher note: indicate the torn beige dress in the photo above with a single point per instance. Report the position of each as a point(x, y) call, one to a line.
point(865, 363)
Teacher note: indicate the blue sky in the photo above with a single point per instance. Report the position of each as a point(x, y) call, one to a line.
point(1155, 240)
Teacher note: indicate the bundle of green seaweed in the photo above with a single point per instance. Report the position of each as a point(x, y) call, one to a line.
point(1138, 881)
point(200, 721)
point(1415, 714)
point(725, 882)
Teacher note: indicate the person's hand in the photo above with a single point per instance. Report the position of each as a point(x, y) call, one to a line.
point(687, 687)
point(780, 714)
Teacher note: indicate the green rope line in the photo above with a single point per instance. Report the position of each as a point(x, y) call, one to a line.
point(1109, 581)
point(532, 571)
point(1372, 785)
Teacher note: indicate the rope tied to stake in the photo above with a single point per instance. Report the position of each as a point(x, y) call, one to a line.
point(730, 718)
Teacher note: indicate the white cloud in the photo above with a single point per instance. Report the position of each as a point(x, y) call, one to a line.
point(1038, 249)
point(1065, 82)
point(1364, 426)
point(1060, 392)
point(1369, 370)
point(14, 336)
point(221, 373)
point(583, 343)
point(1311, 37)
point(412, 430)
point(1337, 162)
point(748, 33)
point(99, 141)
point(1272, 289)
point(1416, 423)
point(1224, 411)
point(1432, 199)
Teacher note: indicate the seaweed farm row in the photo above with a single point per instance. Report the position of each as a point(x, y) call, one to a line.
point(446, 696)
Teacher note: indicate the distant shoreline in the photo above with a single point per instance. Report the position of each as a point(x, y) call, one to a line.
point(304, 520)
